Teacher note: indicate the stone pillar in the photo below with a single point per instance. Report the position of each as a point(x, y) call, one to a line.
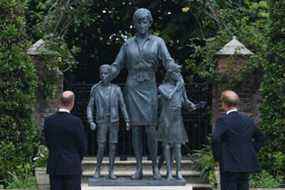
point(230, 61)
point(45, 105)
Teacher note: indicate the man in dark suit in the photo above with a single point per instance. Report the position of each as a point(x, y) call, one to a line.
point(236, 140)
point(66, 142)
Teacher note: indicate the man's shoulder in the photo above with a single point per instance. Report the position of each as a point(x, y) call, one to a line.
point(65, 115)
point(246, 117)
point(51, 117)
point(74, 117)
point(239, 114)
point(243, 114)
point(239, 117)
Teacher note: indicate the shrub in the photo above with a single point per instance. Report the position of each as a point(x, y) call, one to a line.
point(40, 160)
point(18, 131)
point(204, 161)
point(264, 180)
point(273, 91)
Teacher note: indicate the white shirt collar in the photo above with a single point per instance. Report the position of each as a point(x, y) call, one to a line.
point(231, 110)
point(63, 110)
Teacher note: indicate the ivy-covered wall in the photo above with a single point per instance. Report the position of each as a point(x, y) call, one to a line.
point(18, 82)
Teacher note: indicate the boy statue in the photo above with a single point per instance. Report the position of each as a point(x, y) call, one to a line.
point(171, 130)
point(106, 98)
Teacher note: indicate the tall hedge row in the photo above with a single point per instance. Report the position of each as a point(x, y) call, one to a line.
point(17, 93)
point(273, 93)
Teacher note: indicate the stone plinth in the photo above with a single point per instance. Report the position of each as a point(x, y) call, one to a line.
point(130, 182)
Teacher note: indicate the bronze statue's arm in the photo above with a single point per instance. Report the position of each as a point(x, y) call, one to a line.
point(118, 64)
point(90, 109)
point(124, 109)
point(91, 106)
point(123, 106)
point(164, 55)
point(189, 104)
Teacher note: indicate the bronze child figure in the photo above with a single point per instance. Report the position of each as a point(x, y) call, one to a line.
point(171, 132)
point(106, 98)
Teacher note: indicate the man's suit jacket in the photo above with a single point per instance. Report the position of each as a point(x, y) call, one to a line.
point(236, 140)
point(66, 142)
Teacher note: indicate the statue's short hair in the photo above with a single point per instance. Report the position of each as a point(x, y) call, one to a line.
point(230, 98)
point(142, 12)
point(108, 67)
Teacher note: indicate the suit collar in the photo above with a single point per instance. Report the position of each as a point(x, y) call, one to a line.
point(231, 110)
point(63, 110)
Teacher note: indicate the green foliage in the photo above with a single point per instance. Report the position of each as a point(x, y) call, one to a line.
point(264, 180)
point(273, 90)
point(95, 30)
point(36, 9)
point(40, 160)
point(58, 59)
point(260, 26)
point(49, 20)
point(26, 183)
point(18, 82)
point(204, 161)
point(250, 24)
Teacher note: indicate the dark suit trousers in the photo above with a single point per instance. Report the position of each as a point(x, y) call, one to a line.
point(234, 181)
point(65, 182)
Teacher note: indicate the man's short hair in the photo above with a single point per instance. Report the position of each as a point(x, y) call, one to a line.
point(141, 13)
point(106, 66)
point(230, 98)
point(67, 98)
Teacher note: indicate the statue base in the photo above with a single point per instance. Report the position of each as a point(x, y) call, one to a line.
point(123, 181)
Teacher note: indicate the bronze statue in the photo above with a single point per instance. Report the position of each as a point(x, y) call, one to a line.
point(106, 98)
point(171, 130)
point(141, 55)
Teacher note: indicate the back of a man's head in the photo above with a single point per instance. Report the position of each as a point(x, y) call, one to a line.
point(230, 98)
point(67, 99)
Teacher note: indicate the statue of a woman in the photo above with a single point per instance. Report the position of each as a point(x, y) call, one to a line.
point(141, 55)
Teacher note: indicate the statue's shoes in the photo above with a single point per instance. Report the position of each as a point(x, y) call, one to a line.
point(97, 175)
point(112, 176)
point(180, 177)
point(169, 177)
point(156, 174)
point(137, 175)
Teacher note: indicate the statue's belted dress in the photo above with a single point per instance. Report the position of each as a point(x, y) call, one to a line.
point(171, 128)
point(141, 63)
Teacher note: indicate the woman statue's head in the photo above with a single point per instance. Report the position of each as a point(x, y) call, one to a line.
point(142, 20)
